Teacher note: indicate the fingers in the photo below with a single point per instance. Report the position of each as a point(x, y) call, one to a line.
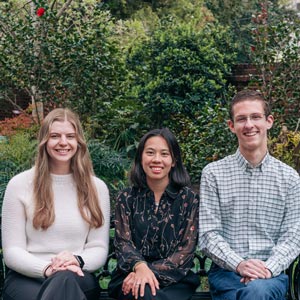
point(70, 262)
point(253, 268)
point(139, 287)
point(50, 270)
point(75, 269)
point(135, 282)
point(144, 275)
point(128, 283)
point(154, 285)
point(136, 289)
point(64, 259)
point(246, 280)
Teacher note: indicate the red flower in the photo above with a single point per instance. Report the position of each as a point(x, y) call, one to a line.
point(253, 48)
point(40, 11)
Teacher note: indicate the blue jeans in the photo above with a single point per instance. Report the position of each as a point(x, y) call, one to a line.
point(226, 285)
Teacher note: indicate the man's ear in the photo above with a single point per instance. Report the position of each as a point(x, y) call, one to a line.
point(270, 121)
point(231, 126)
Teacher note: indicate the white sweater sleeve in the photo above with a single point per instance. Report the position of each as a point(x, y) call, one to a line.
point(96, 248)
point(14, 240)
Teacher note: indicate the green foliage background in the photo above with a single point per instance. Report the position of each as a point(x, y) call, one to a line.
point(130, 66)
point(68, 60)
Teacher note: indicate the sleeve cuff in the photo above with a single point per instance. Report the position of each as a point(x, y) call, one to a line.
point(272, 267)
point(45, 269)
point(234, 261)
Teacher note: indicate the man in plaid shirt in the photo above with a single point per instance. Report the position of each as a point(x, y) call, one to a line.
point(249, 210)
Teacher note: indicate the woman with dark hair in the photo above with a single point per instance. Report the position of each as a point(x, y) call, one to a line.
point(55, 218)
point(156, 221)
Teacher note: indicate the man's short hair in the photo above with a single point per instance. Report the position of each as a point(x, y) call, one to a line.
point(249, 95)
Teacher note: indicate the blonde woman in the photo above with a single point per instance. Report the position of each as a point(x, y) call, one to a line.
point(55, 218)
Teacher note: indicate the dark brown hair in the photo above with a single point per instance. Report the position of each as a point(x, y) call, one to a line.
point(249, 95)
point(178, 174)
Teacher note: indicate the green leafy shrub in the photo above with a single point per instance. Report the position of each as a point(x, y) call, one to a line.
point(177, 69)
point(19, 149)
point(109, 165)
point(204, 139)
point(16, 155)
point(286, 147)
point(66, 57)
point(276, 55)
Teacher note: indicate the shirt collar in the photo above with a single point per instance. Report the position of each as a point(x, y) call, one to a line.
point(171, 190)
point(244, 164)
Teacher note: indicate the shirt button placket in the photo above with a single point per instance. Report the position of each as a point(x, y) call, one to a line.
point(253, 198)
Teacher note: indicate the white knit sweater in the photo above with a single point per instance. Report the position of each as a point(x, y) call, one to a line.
point(27, 250)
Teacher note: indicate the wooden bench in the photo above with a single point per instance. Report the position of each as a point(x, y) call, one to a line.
point(203, 265)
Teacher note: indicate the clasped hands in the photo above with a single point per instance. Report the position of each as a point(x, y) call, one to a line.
point(64, 260)
point(252, 269)
point(137, 280)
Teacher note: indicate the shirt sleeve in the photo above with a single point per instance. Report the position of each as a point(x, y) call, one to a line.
point(288, 244)
point(211, 241)
point(174, 267)
point(96, 247)
point(126, 251)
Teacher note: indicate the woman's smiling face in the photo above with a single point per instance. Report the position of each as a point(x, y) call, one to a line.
point(61, 145)
point(157, 160)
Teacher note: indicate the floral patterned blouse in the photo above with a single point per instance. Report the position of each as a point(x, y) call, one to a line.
point(165, 238)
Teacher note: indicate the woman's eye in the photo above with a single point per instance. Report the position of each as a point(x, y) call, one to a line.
point(54, 136)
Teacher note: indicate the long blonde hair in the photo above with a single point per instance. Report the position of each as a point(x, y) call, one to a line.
point(81, 167)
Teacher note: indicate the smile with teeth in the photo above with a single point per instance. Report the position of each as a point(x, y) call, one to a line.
point(250, 133)
point(62, 150)
point(156, 169)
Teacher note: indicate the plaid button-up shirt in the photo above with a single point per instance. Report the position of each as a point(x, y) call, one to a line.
point(250, 212)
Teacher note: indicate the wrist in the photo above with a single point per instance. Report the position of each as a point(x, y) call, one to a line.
point(137, 264)
point(238, 267)
point(46, 271)
point(270, 273)
point(79, 260)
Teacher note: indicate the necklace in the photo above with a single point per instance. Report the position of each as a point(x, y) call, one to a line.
point(156, 204)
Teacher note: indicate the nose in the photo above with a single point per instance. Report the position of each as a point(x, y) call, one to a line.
point(63, 140)
point(157, 157)
point(249, 122)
